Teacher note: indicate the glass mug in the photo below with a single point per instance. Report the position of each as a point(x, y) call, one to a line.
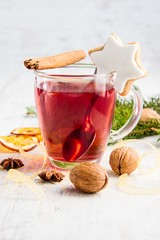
point(75, 110)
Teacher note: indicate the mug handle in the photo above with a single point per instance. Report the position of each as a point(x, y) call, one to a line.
point(133, 120)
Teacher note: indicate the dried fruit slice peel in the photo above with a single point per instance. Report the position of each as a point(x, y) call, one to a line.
point(138, 184)
point(3, 149)
point(37, 160)
point(13, 142)
point(128, 186)
point(19, 177)
point(39, 137)
point(30, 131)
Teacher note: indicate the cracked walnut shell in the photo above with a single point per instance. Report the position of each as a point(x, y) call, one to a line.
point(124, 160)
point(89, 177)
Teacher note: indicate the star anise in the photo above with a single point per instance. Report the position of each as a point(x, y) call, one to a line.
point(52, 176)
point(11, 163)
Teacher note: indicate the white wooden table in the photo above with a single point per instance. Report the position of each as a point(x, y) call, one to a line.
point(64, 212)
point(37, 28)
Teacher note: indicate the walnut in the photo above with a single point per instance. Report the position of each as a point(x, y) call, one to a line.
point(124, 160)
point(11, 163)
point(149, 114)
point(52, 176)
point(89, 177)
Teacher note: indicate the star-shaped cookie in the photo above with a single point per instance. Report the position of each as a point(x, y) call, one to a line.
point(124, 59)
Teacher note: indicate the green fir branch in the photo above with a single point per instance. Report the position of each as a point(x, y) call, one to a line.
point(148, 128)
point(153, 102)
point(31, 111)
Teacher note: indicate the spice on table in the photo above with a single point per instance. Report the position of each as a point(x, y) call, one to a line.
point(89, 177)
point(56, 61)
point(11, 163)
point(124, 160)
point(51, 176)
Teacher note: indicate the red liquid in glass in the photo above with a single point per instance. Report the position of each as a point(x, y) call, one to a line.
point(61, 109)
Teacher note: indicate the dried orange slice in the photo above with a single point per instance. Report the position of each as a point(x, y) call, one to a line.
point(30, 131)
point(15, 142)
point(39, 137)
point(3, 149)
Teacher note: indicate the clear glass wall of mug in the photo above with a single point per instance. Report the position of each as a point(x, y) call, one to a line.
point(75, 110)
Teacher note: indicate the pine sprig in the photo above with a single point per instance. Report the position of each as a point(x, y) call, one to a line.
point(143, 131)
point(122, 113)
point(154, 103)
point(148, 128)
point(31, 111)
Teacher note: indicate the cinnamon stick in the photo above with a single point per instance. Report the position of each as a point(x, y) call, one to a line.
point(56, 61)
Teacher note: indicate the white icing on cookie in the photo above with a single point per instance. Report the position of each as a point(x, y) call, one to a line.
point(120, 58)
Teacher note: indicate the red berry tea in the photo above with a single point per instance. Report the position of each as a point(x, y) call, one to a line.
point(62, 108)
